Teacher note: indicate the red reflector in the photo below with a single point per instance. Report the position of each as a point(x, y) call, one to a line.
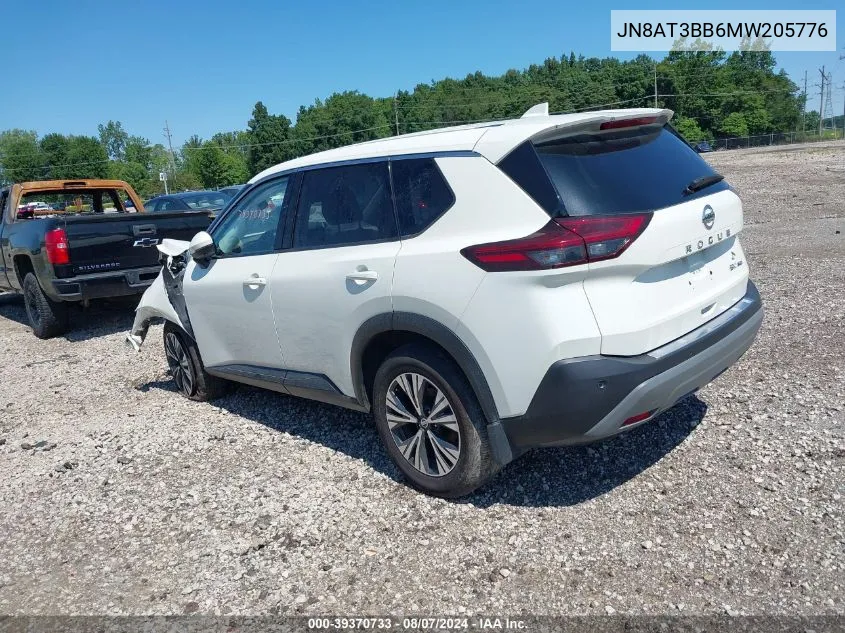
point(620, 123)
point(55, 243)
point(639, 417)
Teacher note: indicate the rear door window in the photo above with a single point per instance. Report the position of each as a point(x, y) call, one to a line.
point(625, 171)
point(345, 205)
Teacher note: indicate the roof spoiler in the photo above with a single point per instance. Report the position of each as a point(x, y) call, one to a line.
point(541, 109)
point(603, 121)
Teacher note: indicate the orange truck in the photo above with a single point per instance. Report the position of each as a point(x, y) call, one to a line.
point(83, 240)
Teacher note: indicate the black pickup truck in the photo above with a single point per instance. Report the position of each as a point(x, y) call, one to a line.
point(86, 245)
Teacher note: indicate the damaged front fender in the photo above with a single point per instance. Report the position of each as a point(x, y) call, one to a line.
point(163, 299)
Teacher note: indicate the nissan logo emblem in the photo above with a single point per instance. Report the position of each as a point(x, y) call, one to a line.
point(708, 218)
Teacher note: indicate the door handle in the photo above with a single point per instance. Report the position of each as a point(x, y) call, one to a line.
point(363, 275)
point(143, 229)
point(255, 281)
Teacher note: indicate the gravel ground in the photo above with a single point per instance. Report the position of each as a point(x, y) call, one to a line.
point(120, 497)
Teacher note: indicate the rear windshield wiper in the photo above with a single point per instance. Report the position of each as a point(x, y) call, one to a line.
point(700, 183)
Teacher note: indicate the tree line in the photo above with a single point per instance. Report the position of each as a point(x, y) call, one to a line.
point(713, 95)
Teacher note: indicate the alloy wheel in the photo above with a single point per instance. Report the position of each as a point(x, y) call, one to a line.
point(180, 365)
point(423, 424)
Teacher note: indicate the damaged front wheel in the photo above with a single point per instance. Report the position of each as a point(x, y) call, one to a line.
point(189, 375)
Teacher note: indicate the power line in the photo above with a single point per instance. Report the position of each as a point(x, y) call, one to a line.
point(725, 94)
point(438, 103)
point(602, 105)
point(381, 127)
point(312, 138)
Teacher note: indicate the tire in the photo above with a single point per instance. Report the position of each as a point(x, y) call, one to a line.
point(185, 363)
point(48, 318)
point(433, 470)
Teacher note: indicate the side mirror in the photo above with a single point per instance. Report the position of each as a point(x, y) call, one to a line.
point(202, 247)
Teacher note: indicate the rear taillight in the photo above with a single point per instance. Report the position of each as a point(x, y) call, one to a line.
point(562, 242)
point(606, 237)
point(55, 243)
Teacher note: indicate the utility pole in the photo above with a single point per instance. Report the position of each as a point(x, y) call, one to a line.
point(655, 83)
point(821, 101)
point(804, 109)
point(170, 146)
point(396, 113)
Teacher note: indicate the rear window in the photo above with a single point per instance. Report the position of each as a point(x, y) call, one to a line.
point(70, 201)
point(625, 171)
point(216, 200)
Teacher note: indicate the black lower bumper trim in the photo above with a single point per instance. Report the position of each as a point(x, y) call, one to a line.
point(105, 285)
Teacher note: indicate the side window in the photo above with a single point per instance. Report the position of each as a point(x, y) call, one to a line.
point(421, 192)
point(251, 227)
point(345, 205)
point(151, 205)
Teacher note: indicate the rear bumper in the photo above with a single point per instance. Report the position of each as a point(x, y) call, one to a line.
point(587, 399)
point(103, 285)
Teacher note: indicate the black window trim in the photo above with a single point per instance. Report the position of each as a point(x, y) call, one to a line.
point(560, 211)
point(298, 171)
point(295, 180)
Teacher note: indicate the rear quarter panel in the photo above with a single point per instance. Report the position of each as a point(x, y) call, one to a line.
point(25, 240)
point(513, 323)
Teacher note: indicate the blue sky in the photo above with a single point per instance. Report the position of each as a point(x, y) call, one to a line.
point(202, 65)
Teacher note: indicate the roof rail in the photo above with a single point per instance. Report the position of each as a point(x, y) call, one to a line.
point(541, 109)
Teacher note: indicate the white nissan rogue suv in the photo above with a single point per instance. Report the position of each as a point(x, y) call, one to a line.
point(483, 289)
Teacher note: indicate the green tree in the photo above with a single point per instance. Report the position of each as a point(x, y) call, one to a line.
point(712, 94)
point(86, 158)
point(114, 139)
point(689, 129)
point(734, 125)
point(55, 150)
point(21, 158)
point(270, 139)
point(137, 150)
point(811, 121)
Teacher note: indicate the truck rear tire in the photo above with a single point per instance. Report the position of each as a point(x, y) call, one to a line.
point(48, 318)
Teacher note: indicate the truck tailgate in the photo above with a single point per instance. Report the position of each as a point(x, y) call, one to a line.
point(120, 241)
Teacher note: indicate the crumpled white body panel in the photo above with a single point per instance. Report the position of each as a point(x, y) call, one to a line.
point(155, 302)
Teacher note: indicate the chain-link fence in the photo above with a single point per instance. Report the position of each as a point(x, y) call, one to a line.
point(775, 138)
